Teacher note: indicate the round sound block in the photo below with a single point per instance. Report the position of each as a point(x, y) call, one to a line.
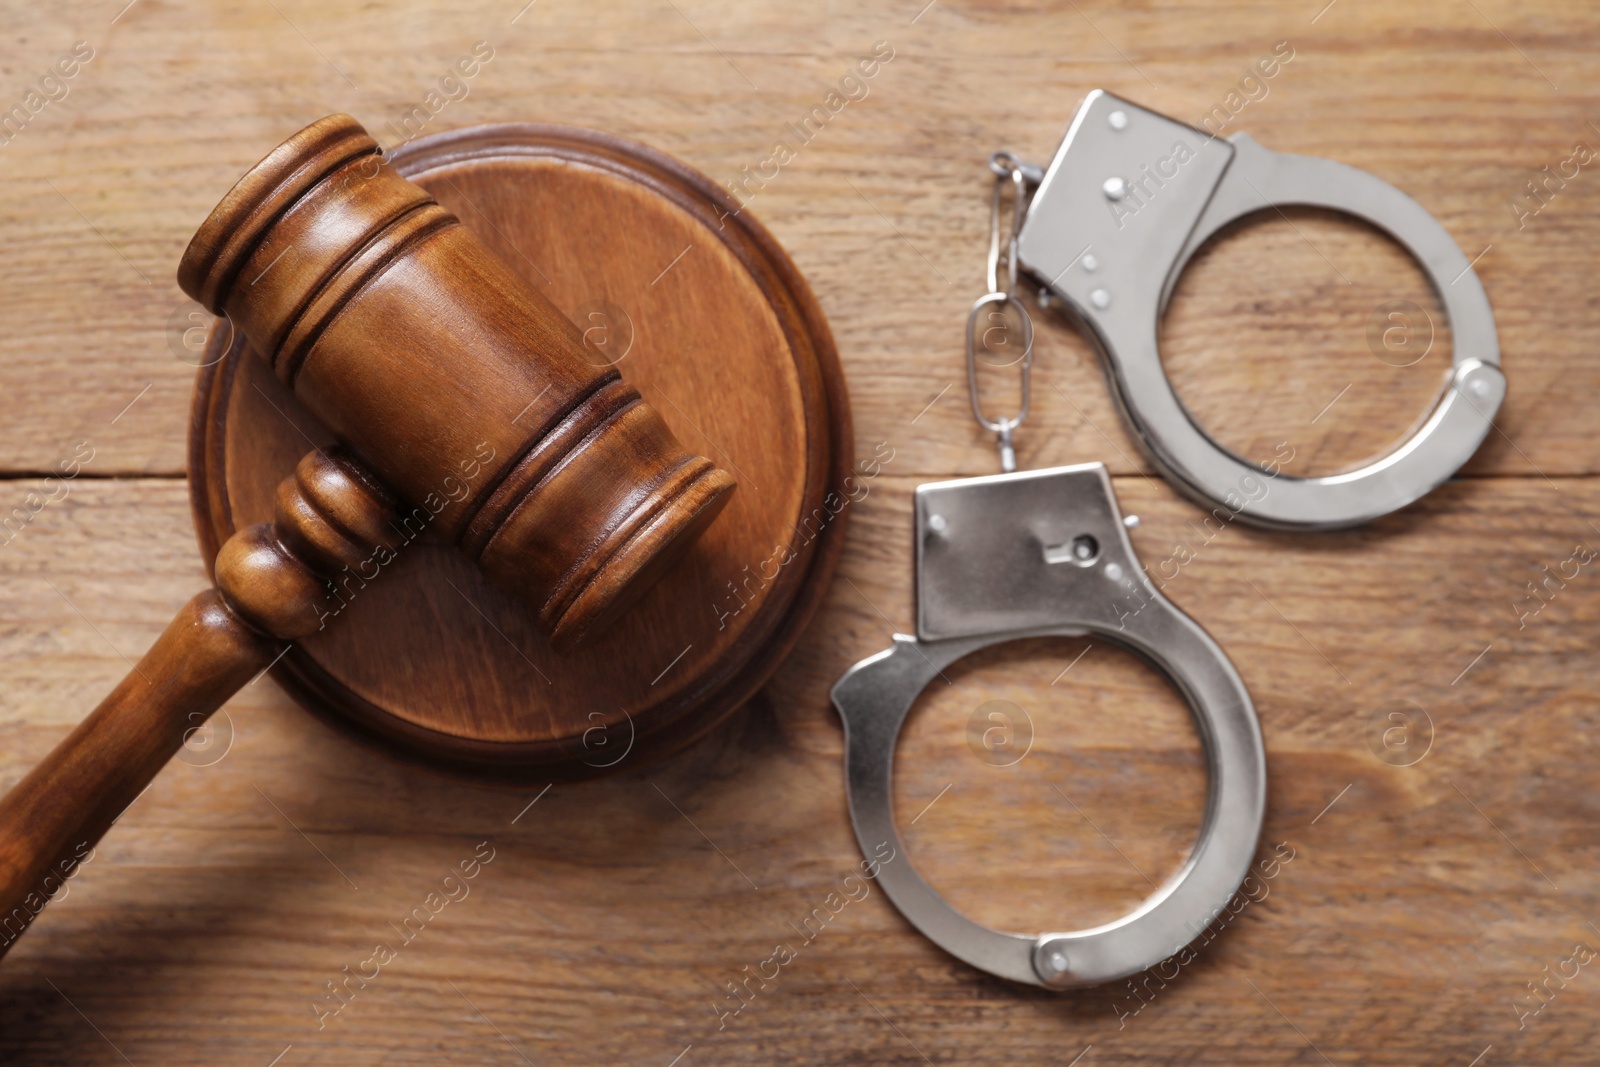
point(705, 315)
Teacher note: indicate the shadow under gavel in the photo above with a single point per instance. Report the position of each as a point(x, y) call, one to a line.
point(464, 404)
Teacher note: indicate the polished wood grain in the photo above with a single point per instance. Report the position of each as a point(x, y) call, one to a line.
point(452, 378)
point(408, 337)
point(702, 310)
point(206, 926)
point(51, 821)
point(276, 582)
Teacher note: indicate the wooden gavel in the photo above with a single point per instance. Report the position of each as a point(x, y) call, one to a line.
point(464, 405)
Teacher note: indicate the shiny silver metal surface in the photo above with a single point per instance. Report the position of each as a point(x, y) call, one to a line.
point(988, 314)
point(1004, 429)
point(1043, 553)
point(1131, 196)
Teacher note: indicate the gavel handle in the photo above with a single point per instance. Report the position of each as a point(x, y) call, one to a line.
point(272, 583)
point(51, 820)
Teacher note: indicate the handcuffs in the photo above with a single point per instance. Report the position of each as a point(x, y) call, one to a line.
point(1132, 195)
point(1046, 553)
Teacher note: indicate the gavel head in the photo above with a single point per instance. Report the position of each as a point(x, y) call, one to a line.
point(451, 378)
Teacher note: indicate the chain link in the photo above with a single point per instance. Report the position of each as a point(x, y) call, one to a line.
point(1008, 170)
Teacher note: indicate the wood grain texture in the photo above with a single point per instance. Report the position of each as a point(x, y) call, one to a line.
point(456, 382)
point(1419, 905)
point(267, 593)
point(1427, 95)
point(408, 338)
point(52, 819)
point(700, 310)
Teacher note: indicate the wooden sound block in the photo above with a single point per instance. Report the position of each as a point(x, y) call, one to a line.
point(703, 313)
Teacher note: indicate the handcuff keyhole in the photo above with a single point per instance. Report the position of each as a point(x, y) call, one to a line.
point(1082, 550)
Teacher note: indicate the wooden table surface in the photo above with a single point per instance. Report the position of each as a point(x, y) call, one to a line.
point(1422, 902)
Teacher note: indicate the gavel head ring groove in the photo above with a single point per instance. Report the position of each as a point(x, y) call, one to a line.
point(451, 378)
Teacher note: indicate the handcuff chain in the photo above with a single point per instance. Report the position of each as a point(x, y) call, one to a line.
point(1007, 170)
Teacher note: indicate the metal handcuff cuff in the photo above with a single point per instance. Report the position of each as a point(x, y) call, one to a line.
point(1131, 192)
point(1046, 552)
